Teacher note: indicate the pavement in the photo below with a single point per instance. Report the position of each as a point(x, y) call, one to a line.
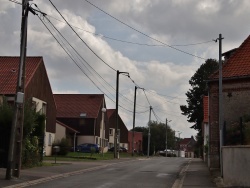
point(194, 174)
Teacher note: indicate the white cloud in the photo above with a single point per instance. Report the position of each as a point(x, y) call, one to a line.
point(160, 69)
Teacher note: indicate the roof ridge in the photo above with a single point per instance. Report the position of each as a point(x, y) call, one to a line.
point(230, 62)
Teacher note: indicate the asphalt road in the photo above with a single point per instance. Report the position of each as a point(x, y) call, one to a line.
point(153, 172)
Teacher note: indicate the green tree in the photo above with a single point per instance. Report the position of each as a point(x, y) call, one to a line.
point(194, 108)
point(158, 137)
point(33, 132)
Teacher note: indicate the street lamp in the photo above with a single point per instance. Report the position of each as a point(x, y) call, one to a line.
point(167, 135)
point(179, 143)
point(133, 135)
point(103, 129)
point(116, 149)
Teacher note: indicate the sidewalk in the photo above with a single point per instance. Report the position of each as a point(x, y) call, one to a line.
point(197, 174)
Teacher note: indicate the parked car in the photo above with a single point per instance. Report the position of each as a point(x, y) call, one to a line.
point(122, 149)
point(86, 148)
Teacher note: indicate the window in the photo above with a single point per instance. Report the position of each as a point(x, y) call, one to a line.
point(110, 132)
point(44, 108)
point(50, 140)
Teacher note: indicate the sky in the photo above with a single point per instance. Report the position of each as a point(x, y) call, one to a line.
point(160, 43)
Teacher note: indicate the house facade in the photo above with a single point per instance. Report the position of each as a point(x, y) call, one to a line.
point(138, 141)
point(122, 129)
point(65, 132)
point(235, 94)
point(37, 90)
point(187, 145)
point(85, 113)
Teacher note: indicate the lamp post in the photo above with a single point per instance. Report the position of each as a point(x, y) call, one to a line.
point(179, 153)
point(116, 149)
point(167, 135)
point(103, 129)
point(133, 134)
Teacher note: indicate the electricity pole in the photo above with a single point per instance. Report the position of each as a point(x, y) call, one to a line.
point(149, 124)
point(133, 136)
point(16, 137)
point(116, 143)
point(167, 135)
point(220, 102)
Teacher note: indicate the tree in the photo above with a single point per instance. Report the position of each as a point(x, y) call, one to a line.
point(194, 109)
point(158, 137)
point(33, 133)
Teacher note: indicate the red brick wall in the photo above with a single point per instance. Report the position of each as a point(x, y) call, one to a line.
point(236, 103)
point(137, 141)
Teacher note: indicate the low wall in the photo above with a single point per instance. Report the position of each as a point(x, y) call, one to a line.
point(236, 165)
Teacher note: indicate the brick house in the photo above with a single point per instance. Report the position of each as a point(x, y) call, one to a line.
point(187, 145)
point(235, 93)
point(121, 126)
point(83, 113)
point(138, 141)
point(64, 131)
point(37, 89)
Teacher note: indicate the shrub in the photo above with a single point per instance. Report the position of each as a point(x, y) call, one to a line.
point(64, 146)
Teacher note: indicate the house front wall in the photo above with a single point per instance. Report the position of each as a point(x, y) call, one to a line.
point(39, 87)
point(48, 141)
point(236, 103)
point(60, 132)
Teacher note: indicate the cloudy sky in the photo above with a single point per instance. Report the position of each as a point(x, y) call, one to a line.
point(135, 36)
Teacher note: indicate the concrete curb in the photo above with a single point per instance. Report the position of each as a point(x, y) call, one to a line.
point(179, 181)
point(58, 176)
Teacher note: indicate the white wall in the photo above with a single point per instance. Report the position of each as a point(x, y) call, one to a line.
point(48, 141)
point(60, 132)
point(236, 165)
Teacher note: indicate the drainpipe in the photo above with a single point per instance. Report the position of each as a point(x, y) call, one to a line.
point(75, 142)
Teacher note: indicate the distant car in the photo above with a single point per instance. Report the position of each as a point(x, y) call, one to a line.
point(122, 149)
point(86, 148)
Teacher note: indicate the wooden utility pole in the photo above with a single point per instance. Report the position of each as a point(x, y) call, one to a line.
point(16, 137)
point(149, 134)
point(221, 119)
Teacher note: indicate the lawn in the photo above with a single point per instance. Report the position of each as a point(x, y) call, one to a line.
point(79, 156)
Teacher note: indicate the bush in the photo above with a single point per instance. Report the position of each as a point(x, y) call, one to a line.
point(64, 146)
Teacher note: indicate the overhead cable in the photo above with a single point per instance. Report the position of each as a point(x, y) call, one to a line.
point(144, 33)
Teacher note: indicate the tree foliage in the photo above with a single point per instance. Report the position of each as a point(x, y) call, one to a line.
point(33, 132)
point(157, 138)
point(194, 108)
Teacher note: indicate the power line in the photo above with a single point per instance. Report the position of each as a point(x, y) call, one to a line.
point(17, 2)
point(130, 42)
point(70, 55)
point(44, 14)
point(143, 33)
point(81, 38)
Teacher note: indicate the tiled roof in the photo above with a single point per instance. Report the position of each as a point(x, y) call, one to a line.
point(205, 109)
point(72, 105)
point(185, 141)
point(9, 68)
point(110, 112)
point(238, 65)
